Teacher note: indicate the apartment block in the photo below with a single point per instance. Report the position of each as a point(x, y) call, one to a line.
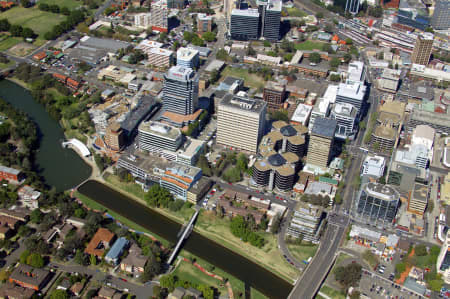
point(422, 49)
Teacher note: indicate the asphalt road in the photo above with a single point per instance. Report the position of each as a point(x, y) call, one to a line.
point(312, 278)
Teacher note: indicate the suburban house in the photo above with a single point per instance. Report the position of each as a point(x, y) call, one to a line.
point(10, 290)
point(100, 242)
point(116, 250)
point(135, 260)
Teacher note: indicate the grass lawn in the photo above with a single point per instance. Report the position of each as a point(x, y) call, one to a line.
point(251, 80)
point(6, 65)
point(303, 251)
point(9, 42)
point(309, 45)
point(40, 21)
point(236, 284)
point(295, 12)
point(341, 257)
point(332, 293)
point(70, 4)
point(218, 229)
point(189, 272)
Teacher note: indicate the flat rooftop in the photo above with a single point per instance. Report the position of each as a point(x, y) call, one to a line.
point(324, 127)
point(345, 109)
point(160, 129)
point(251, 12)
point(102, 43)
point(186, 53)
point(242, 103)
point(180, 73)
point(385, 192)
point(352, 90)
point(385, 132)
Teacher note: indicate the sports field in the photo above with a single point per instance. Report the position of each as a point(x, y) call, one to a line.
point(40, 21)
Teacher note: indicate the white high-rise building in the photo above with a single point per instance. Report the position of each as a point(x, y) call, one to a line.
point(240, 122)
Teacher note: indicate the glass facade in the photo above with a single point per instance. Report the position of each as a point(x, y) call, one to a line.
point(376, 210)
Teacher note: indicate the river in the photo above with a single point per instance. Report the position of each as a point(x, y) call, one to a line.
point(61, 167)
point(64, 169)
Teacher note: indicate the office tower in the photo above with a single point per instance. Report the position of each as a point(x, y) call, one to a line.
point(187, 57)
point(377, 204)
point(274, 94)
point(244, 24)
point(178, 4)
point(180, 91)
point(155, 137)
point(441, 15)
point(352, 93)
point(240, 122)
point(114, 137)
point(443, 260)
point(204, 23)
point(352, 6)
point(270, 13)
point(321, 142)
point(159, 17)
point(346, 116)
point(422, 49)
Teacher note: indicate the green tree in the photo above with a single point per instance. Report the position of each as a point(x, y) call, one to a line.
point(203, 164)
point(59, 294)
point(23, 256)
point(348, 41)
point(315, 57)
point(93, 260)
point(335, 77)
point(267, 44)
point(35, 260)
point(319, 15)
point(242, 162)
point(400, 268)
point(209, 36)
point(420, 250)
point(232, 175)
point(36, 216)
point(335, 62)
point(348, 275)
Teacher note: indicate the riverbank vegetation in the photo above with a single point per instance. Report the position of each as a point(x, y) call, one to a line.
point(19, 140)
point(57, 99)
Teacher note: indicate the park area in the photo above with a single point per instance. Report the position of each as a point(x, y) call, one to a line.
point(309, 45)
point(250, 80)
point(192, 272)
point(218, 229)
point(39, 21)
point(70, 4)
